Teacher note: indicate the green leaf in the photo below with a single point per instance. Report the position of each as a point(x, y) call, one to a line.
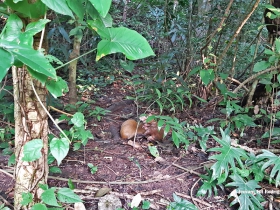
point(60, 7)
point(107, 21)
point(269, 52)
point(43, 186)
point(207, 75)
point(175, 138)
point(158, 93)
point(129, 42)
point(146, 205)
point(272, 161)
point(277, 45)
point(32, 150)
point(93, 168)
point(39, 206)
point(7, 61)
point(262, 65)
point(77, 7)
point(33, 10)
point(48, 197)
point(78, 119)
point(66, 195)
point(40, 77)
point(26, 198)
point(59, 148)
point(13, 28)
point(31, 29)
point(30, 57)
point(57, 87)
point(180, 204)
point(227, 158)
point(77, 146)
point(85, 135)
point(207, 186)
point(154, 151)
point(102, 6)
point(275, 132)
point(128, 66)
point(244, 193)
point(55, 170)
point(71, 184)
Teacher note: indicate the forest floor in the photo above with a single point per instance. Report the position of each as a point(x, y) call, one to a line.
point(124, 171)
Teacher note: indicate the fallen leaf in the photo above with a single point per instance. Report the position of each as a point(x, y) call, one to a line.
point(136, 200)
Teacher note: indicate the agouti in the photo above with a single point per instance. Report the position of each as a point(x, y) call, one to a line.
point(150, 130)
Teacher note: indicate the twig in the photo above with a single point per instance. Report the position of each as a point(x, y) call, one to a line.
point(193, 200)
point(185, 169)
point(118, 183)
point(219, 60)
point(254, 76)
point(7, 173)
point(6, 202)
point(62, 112)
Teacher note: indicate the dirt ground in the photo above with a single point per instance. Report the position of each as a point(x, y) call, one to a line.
point(124, 171)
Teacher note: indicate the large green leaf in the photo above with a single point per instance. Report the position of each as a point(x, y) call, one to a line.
point(98, 26)
point(126, 41)
point(59, 148)
point(66, 195)
point(246, 193)
point(273, 161)
point(207, 75)
point(59, 6)
point(32, 150)
point(48, 197)
point(13, 28)
point(226, 159)
point(77, 7)
point(26, 9)
point(107, 20)
point(102, 6)
point(7, 61)
point(261, 65)
point(30, 57)
point(57, 87)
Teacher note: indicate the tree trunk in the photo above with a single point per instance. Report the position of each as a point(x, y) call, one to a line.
point(73, 71)
point(31, 122)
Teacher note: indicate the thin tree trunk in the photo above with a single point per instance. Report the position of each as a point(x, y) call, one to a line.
point(73, 71)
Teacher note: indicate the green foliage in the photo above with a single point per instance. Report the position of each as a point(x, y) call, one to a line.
point(146, 205)
point(227, 158)
point(98, 113)
point(182, 132)
point(6, 105)
point(77, 133)
point(271, 160)
point(246, 194)
point(180, 204)
point(93, 169)
point(168, 95)
point(51, 196)
point(208, 185)
point(249, 167)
